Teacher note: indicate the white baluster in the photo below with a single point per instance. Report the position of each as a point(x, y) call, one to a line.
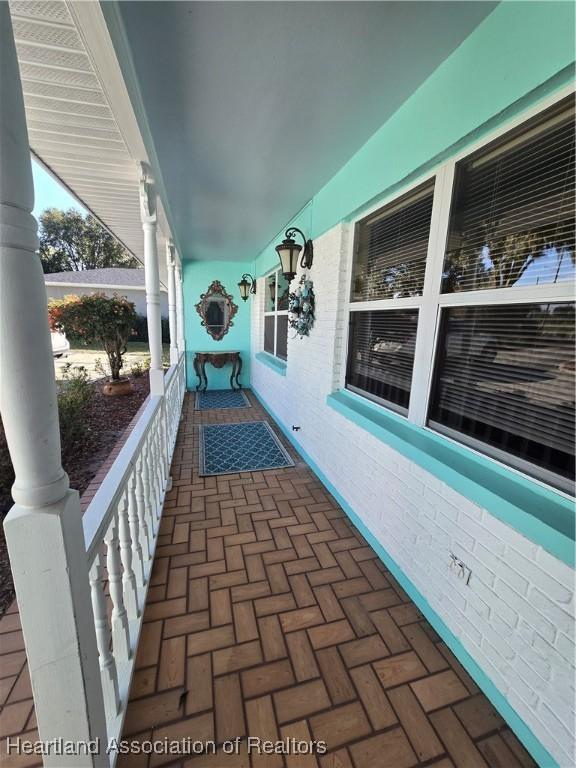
point(162, 444)
point(107, 663)
point(134, 518)
point(120, 632)
point(173, 412)
point(159, 459)
point(154, 471)
point(173, 395)
point(142, 503)
point(128, 576)
point(149, 490)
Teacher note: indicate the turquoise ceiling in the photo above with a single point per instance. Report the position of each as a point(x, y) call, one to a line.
point(248, 108)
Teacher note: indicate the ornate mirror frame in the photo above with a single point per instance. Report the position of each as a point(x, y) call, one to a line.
point(216, 289)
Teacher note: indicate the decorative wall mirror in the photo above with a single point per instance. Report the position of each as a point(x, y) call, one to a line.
point(216, 308)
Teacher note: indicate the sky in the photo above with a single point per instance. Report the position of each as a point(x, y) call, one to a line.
point(48, 193)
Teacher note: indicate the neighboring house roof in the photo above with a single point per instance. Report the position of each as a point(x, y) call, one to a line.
point(109, 277)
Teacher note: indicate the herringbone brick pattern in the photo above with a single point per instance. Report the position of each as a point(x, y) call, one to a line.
point(268, 615)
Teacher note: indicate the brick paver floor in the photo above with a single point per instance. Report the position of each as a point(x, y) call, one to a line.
point(269, 616)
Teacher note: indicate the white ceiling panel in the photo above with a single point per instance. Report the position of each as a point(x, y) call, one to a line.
point(72, 127)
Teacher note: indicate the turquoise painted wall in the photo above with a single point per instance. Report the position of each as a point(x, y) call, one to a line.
point(521, 52)
point(518, 54)
point(197, 277)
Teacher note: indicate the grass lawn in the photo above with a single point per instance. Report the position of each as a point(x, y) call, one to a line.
point(88, 354)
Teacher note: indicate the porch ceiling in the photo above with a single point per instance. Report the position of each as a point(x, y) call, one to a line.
point(251, 107)
point(79, 127)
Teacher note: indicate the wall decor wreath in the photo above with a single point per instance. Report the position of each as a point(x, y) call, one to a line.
point(301, 307)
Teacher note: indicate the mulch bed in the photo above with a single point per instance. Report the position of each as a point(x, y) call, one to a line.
point(107, 420)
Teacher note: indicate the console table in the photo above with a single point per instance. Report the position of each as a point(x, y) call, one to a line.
point(218, 360)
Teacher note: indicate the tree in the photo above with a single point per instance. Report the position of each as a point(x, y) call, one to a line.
point(97, 318)
point(71, 242)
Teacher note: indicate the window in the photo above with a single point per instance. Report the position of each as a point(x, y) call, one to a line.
point(503, 380)
point(388, 270)
point(276, 315)
point(461, 314)
point(382, 354)
point(512, 220)
point(391, 248)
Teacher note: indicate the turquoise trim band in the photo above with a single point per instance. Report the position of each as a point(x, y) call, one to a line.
point(532, 744)
point(541, 514)
point(272, 362)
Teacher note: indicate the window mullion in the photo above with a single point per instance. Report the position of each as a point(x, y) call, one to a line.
point(406, 302)
point(514, 295)
point(428, 316)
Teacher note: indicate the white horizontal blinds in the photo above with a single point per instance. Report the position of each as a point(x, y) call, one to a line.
point(512, 218)
point(282, 337)
point(505, 377)
point(269, 333)
point(391, 247)
point(381, 354)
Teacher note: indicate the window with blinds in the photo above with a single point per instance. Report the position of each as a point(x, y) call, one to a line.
point(381, 355)
point(269, 334)
point(512, 215)
point(276, 298)
point(282, 337)
point(505, 379)
point(391, 248)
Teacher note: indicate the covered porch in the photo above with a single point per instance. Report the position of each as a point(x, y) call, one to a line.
point(269, 618)
point(404, 594)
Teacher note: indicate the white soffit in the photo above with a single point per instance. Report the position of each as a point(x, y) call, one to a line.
point(80, 122)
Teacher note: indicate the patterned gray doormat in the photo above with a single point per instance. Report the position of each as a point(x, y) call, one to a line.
point(244, 447)
point(221, 398)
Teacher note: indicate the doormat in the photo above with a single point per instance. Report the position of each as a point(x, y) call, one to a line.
point(221, 398)
point(245, 447)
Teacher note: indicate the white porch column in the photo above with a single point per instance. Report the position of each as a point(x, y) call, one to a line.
point(172, 321)
point(44, 528)
point(152, 279)
point(180, 307)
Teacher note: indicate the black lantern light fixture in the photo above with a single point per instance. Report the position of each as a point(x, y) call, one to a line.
point(247, 286)
point(289, 251)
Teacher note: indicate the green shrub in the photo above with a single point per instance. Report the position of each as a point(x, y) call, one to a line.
point(100, 368)
point(140, 367)
point(97, 318)
point(75, 394)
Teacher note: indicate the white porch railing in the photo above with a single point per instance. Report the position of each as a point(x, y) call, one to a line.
point(175, 388)
point(120, 532)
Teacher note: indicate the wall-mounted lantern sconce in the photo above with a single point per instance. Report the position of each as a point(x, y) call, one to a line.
point(289, 251)
point(247, 286)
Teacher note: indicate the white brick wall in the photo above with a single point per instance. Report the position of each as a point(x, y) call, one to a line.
point(516, 617)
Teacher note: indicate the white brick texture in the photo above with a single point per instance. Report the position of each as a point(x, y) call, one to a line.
point(516, 617)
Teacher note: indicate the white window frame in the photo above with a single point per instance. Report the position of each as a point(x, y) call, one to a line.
point(273, 313)
point(432, 301)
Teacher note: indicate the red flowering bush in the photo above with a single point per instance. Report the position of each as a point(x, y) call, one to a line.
point(97, 318)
